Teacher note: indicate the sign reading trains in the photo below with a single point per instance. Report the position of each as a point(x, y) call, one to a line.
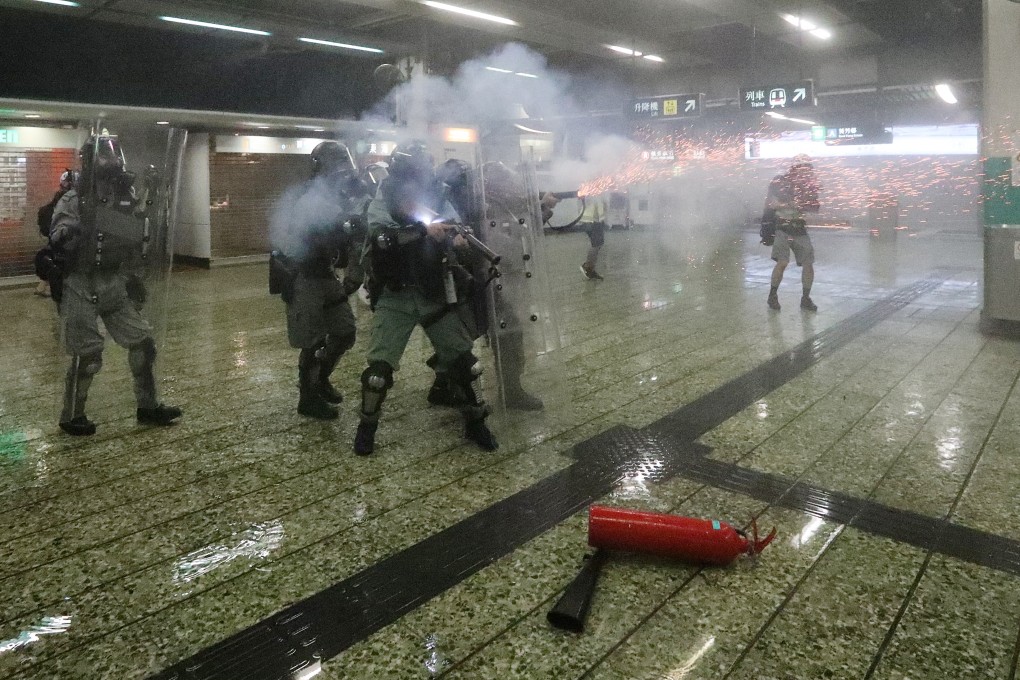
point(668, 107)
point(767, 97)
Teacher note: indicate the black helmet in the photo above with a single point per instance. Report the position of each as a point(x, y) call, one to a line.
point(102, 157)
point(454, 173)
point(331, 157)
point(412, 160)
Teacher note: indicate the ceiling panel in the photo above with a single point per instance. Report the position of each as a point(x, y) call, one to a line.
point(726, 34)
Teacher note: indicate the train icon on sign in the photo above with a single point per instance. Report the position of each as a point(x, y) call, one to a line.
point(777, 97)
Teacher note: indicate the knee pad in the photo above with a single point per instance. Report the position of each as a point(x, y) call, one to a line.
point(378, 377)
point(375, 381)
point(87, 365)
point(465, 369)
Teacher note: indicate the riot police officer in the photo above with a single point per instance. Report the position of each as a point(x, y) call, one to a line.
point(99, 244)
point(416, 279)
point(503, 190)
point(323, 228)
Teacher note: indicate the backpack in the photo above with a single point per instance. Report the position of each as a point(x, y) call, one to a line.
point(45, 215)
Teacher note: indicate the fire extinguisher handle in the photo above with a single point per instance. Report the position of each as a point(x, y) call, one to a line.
point(571, 611)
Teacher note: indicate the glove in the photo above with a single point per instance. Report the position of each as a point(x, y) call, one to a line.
point(136, 289)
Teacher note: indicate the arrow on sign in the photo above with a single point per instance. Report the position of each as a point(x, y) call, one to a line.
point(799, 94)
point(691, 103)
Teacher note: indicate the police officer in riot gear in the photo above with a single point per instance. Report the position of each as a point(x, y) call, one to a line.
point(100, 241)
point(323, 229)
point(461, 187)
point(416, 279)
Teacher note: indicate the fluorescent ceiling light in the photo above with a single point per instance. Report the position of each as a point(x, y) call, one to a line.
point(527, 129)
point(33, 115)
point(65, 3)
point(525, 75)
point(162, 122)
point(498, 70)
point(946, 93)
point(343, 45)
point(206, 24)
point(624, 50)
point(809, 26)
point(780, 116)
point(469, 12)
point(655, 58)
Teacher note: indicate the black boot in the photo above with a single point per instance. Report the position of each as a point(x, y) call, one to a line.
point(161, 414)
point(329, 355)
point(364, 438)
point(521, 400)
point(142, 359)
point(311, 402)
point(78, 427)
point(477, 431)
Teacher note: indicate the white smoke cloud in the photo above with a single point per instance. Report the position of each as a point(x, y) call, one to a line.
point(512, 83)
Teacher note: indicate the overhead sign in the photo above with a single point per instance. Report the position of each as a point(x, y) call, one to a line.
point(658, 155)
point(768, 97)
point(851, 134)
point(668, 107)
point(40, 138)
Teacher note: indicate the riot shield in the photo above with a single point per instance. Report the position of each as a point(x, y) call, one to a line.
point(115, 262)
point(522, 325)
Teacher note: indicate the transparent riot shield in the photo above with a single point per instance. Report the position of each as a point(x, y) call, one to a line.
point(115, 260)
point(523, 328)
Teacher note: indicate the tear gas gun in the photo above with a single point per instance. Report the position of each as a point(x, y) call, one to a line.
point(478, 246)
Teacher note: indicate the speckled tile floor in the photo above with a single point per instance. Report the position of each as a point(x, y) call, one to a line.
point(125, 553)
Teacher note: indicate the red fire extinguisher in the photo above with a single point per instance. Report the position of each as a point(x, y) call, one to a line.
point(702, 541)
point(690, 539)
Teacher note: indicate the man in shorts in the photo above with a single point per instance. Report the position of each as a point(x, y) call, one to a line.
point(791, 196)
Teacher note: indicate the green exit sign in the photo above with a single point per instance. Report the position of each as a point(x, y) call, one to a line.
point(8, 136)
point(818, 133)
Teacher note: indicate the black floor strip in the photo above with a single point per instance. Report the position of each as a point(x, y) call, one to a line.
point(904, 526)
point(325, 624)
point(698, 417)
